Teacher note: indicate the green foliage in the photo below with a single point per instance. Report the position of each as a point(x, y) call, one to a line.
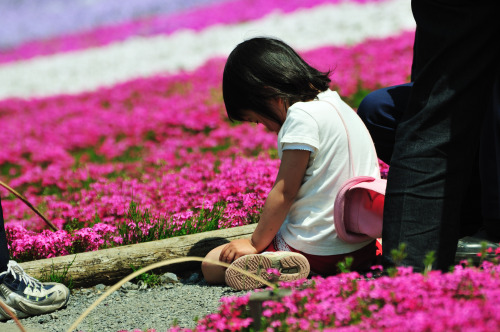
point(347, 291)
point(73, 224)
point(10, 170)
point(87, 155)
point(483, 254)
point(83, 184)
point(182, 87)
point(142, 226)
point(208, 219)
point(97, 219)
point(59, 276)
point(214, 149)
point(345, 265)
point(10, 197)
point(392, 271)
point(216, 99)
point(105, 104)
point(428, 261)
point(217, 164)
point(131, 154)
point(357, 97)
point(52, 190)
point(397, 257)
point(42, 207)
point(363, 311)
point(149, 278)
point(26, 155)
point(116, 174)
point(273, 153)
point(151, 136)
point(253, 218)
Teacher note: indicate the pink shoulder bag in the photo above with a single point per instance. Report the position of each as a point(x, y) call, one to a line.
point(359, 204)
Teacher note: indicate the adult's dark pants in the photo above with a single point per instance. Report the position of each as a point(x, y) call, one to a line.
point(434, 162)
point(381, 111)
point(4, 251)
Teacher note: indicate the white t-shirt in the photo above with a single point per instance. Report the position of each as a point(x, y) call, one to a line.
point(309, 226)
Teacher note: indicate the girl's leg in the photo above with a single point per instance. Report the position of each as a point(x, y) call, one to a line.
point(214, 274)
point(291, 265)
point(363, 258)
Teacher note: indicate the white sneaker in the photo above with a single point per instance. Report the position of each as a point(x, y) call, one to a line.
point(26, 296)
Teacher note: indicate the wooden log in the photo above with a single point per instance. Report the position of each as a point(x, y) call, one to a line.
point(108, 266)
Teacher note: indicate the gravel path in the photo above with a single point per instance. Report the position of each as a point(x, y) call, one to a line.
point(134, 307)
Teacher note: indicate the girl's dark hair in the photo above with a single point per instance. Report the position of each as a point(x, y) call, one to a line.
point(261, 69)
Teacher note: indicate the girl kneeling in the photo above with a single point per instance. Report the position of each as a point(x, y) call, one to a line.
point(265, 81)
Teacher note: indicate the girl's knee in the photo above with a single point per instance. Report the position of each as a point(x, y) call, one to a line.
point(213, 273)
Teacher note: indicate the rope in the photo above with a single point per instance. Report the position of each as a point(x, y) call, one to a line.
point(11, 314)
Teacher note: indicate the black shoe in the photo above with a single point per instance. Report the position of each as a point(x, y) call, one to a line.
point(468, 247)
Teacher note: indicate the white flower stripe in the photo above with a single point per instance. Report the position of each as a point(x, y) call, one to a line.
point(341, 24)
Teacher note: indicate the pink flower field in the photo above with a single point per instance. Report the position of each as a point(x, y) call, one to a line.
point(161, 144)
point(116, 130)
point(464, 300)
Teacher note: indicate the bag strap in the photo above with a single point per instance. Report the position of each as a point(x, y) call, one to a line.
point(351, 162)
point(348, 138)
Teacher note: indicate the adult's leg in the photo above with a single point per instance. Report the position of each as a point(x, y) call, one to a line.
point(381, 111)
point(431, 166)
point(489, 162)
point(4, 251)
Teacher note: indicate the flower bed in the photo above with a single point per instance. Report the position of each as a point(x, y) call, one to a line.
point(462, 300)
point(120, 21)
point(162, 142)
point(187, 49)
point(125, 139)
point(155, 156)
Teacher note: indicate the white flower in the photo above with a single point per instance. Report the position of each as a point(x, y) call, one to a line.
point(340, 24)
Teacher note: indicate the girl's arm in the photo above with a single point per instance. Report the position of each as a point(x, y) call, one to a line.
point(290, 175)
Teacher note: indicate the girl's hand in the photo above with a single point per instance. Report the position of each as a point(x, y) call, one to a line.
point(235, 249)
